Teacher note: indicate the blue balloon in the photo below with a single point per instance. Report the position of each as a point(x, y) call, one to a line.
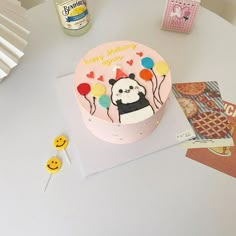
point(104, 101)
point(147, 63)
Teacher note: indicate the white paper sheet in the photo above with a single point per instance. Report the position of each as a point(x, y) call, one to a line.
point(96, 155)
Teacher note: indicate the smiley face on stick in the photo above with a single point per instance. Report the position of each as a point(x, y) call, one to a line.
point(60, 142)
point(53, 165)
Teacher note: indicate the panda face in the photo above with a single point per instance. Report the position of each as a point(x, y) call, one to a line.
point(127, 90)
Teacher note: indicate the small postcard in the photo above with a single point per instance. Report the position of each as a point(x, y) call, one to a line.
point(204, 109)
point(220, 158)
point(179, 15)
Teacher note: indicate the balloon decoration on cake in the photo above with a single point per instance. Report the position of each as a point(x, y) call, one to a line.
point(84, 90)
point(147, 75)
point(148, 64)
point(162, 69)
point(105, 102)
point(97, 91)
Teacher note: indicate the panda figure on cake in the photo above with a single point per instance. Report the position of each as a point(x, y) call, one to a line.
point(129, 97)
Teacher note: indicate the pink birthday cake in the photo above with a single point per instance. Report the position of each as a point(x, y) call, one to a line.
point(122, 88)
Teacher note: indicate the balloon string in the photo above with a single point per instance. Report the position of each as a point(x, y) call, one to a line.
point(154, 93)
point(94, 105)
point(157, 100)
point(154, 98)
point(90, 105)
point(109, 115)
point(156, 81)
point(159, 89)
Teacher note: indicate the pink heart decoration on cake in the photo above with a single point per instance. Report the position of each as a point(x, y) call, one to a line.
point(101, 78)
point(139, 54)
point(130, 62)
point(90, 75)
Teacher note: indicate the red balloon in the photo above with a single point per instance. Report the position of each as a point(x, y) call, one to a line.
point(84, 89)
point(145, 74)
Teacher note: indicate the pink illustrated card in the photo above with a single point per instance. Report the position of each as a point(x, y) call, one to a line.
point(179, 15)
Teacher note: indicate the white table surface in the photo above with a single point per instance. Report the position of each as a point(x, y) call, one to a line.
point(163, 194)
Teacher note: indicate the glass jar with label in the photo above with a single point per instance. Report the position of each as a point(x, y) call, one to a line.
point(74, 16)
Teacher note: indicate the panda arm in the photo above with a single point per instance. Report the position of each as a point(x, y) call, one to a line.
point(121, 106)
point(141, 94)
point(119, 102)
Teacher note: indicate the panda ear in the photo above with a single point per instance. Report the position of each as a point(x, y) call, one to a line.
point(112, 81)
point(132, 76)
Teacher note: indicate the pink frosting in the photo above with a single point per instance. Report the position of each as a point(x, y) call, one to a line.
point(117, 60)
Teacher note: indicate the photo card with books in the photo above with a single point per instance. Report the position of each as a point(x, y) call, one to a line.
point(220, 158)
point(204, 109)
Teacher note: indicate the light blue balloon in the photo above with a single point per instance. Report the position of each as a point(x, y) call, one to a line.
point(147, 63)
point(104, 101)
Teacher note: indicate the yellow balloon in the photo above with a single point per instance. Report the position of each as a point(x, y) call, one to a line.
point(162, 68)
point(98, 90)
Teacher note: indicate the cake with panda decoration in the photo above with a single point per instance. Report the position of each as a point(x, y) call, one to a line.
point(122, 88)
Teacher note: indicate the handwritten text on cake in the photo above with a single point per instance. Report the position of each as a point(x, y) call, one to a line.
point(110, 52)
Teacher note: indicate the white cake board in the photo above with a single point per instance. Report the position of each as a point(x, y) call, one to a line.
point(96, 155)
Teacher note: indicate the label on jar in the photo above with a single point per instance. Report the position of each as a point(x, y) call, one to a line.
point(73, 14)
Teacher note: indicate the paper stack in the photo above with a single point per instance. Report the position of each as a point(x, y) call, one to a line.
point(13, 35)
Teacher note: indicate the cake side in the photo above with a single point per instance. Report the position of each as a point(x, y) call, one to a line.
point(121, 133)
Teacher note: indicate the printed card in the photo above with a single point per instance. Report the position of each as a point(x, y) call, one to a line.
point(204, 109)
point(180, 15)
point(220, 158)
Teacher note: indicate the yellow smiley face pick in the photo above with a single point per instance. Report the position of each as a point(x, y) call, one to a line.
point(53, 165)
point(60, 142)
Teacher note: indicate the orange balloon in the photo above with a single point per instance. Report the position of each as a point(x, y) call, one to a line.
point(146, 74)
